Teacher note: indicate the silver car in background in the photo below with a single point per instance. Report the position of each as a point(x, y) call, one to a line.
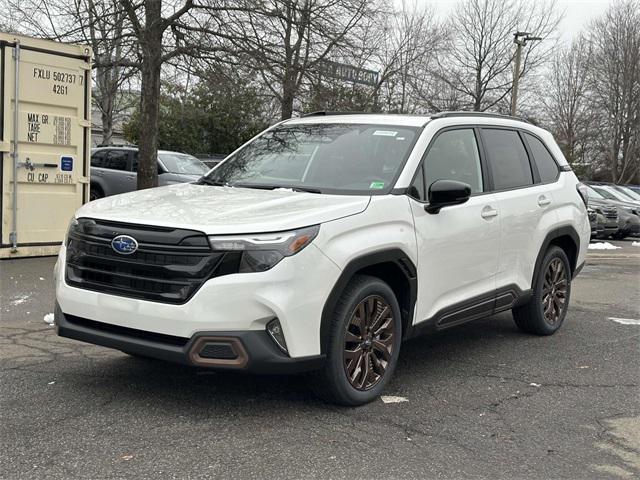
point(113, 169)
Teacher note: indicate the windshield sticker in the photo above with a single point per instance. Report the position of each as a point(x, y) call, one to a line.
point(377, 185)
point(385, 133)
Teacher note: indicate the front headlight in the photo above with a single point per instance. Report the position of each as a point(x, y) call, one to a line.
point(262, 251)
point(73, 224)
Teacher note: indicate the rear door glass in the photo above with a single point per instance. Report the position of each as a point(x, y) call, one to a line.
point(508, 160)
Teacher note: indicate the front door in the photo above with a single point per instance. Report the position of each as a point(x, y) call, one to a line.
point(457, 247)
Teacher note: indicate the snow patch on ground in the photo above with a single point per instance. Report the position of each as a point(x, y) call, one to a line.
point(602, 246)
point(635, 244)
point(19, 299)
point(392, 399)
point(625, 321)
point(48, 318)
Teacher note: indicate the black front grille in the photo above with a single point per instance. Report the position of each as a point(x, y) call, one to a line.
point(168, 266)
point(610, 213)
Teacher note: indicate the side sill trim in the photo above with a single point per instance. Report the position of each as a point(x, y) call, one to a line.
point(476, 308)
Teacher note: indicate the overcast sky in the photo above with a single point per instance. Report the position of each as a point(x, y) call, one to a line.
point(577, 13)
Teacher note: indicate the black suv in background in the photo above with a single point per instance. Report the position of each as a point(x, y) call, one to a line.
point(113, 169)
point(628, 209)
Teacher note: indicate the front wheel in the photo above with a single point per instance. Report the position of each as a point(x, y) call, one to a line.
point(546, 311)
point(364, 343)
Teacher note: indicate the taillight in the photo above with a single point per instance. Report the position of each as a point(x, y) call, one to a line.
point(584, 192)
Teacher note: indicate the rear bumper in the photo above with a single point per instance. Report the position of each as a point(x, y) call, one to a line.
point(249, 351)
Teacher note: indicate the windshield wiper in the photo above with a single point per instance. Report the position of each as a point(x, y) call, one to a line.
point(213, 183)
point(273, 187)
point(305, 189)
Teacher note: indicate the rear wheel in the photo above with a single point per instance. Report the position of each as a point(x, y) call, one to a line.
point(546, 311)
point(364, 343)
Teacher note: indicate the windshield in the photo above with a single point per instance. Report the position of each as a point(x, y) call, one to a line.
point(593, 193)
point(628, 193)
point(614, 193)
point(323, 158)
point(605, 193)
point(182, 163)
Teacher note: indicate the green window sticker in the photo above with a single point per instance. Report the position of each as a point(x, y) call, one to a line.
point(377, 185)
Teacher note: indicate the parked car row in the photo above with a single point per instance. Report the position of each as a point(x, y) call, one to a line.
point(114, 169)
point(614, 210)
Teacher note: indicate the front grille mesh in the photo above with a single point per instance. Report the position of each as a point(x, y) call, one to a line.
point(169, 265)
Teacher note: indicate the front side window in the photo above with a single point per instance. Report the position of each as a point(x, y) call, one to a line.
point(508, 160)
point(454, 156)
point(352, 159)
point(547, 166)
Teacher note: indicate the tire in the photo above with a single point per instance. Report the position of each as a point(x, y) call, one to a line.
point(343, 380)
point(531, 318)
point(95, 193)
point(619, 236)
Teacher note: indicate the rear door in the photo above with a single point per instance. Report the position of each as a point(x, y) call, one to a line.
point(457, 247)
point(118, 174)
point(525, 205)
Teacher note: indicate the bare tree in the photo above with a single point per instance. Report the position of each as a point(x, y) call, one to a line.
point(285, 41)
point(162, 32)
point(479, 63)
point(99, 24)
point(566, 100)
point(615, 39)
point(405, 50)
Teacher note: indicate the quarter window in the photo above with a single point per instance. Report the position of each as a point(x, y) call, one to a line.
point(454, 156)
point(508, 160)
point(547, 166)
point(417, 187)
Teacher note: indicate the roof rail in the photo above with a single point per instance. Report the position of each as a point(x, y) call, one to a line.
point(325, 112)
point(115, 145)
point(477, 114)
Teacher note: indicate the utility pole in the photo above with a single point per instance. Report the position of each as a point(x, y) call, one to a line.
point(520, 39)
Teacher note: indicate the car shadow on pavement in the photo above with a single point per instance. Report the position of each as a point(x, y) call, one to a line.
point(179, 389)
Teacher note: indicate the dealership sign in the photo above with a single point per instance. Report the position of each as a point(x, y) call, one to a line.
point(349, 73)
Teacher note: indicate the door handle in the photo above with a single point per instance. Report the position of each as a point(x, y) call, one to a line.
point(488, 212)
point(543, 201)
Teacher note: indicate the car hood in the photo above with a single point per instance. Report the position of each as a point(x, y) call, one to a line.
point(222, 210)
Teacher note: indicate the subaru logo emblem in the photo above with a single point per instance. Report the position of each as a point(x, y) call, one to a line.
point(124, 244)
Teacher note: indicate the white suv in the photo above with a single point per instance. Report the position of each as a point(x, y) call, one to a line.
point(325, 241)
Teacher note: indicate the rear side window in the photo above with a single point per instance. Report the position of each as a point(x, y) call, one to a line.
point(508, 160)
point(547, 166)
point(97, 159)
point(116, 160)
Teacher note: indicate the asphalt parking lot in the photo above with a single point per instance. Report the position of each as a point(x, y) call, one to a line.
point(482, 400)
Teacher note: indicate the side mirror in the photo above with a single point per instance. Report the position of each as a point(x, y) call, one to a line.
point(160, 169)
point(444, 193)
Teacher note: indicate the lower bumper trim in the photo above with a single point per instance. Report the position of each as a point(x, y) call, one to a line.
point(256, 352)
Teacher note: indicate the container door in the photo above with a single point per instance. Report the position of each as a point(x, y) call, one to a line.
point(53, 131)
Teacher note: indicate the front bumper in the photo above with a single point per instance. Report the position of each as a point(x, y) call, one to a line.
point(248, 351)
point(294, 292)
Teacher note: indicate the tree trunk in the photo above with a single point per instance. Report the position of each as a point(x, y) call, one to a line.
point(107, 126)
point(151, 47)
point(288, 95)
